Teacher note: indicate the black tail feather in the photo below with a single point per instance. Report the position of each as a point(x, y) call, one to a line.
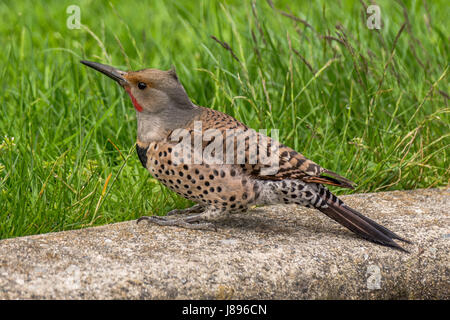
point(380, 227)
point(344, 182)
point(361, 225)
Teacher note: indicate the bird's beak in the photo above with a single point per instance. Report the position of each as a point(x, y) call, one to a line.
point(111, 72)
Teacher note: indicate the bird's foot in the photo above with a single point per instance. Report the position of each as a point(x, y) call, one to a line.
point(194, 209)
point(192, 222)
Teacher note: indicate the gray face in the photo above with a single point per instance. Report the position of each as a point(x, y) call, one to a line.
point(161, 103)
point(154, 90)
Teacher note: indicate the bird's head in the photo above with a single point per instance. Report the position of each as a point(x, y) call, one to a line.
point(162, 105)
point(151, 90)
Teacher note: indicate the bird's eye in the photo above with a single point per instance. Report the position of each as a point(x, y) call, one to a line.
point(142, 85)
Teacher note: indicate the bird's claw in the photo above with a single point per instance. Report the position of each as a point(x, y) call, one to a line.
point(187, 223)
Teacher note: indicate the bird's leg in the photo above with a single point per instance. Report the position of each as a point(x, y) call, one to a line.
point(194, 209)
point(194, 221)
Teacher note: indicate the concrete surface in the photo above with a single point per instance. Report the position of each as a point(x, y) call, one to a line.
point(279, 252)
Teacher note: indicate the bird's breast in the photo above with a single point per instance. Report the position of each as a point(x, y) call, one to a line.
point(221, 186)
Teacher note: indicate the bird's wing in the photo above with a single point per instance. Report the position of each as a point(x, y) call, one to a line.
point(290, 163)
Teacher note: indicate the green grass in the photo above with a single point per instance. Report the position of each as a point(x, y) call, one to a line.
point(370, 105)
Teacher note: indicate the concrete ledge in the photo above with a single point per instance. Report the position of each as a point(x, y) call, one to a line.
point(279, 252)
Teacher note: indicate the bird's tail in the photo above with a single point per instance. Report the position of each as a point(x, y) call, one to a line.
point(356, 222)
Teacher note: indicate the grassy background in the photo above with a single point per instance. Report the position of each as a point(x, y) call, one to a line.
point(370, 105)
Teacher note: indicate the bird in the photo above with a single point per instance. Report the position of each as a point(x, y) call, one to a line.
point(169, 123)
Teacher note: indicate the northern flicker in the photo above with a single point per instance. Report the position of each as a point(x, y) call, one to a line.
point(163, 108)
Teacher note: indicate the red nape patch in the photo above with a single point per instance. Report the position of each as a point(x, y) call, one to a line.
point(136, 105)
